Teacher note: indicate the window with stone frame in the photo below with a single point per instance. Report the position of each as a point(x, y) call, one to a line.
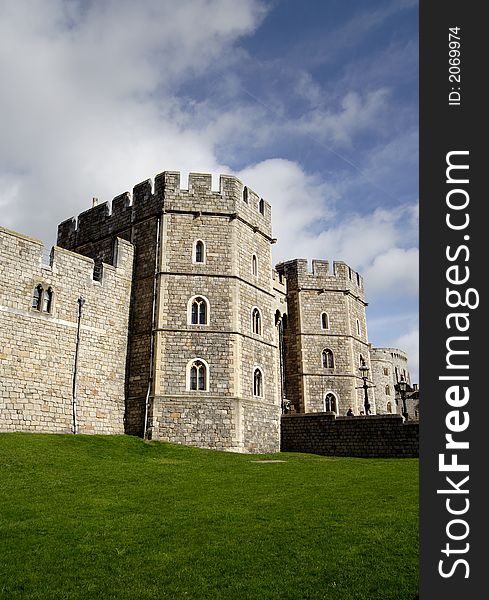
point(198, 376)
point(258, 383)
point(327, 359)
point(256, 321)
point(386, 371)
point(330, 403)
point(42, 300)
point(324, 320)
point(254, 265)
point(387, 390)
point(261, 206)
point(199, 312)
point(199, 251)
point(389, 407)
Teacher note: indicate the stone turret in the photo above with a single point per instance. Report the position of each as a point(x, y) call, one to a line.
point(326, 337)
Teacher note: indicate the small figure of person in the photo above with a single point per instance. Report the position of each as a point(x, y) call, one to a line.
point(349, 413)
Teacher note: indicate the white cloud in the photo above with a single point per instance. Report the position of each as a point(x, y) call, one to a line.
point(394, 272)
point(409, 342)
point(355, 114)
point(88, 97)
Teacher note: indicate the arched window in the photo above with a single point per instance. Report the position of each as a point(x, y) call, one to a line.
point(261, 206)
point(361, 360)
point(389, 407)
point(199, 252)
point(328, 360)
point(256, 321)
point(198, 311)
point(245, 194)
point(258, 383)
point(254, 265)
point(330, 403)
point(324, 320)
point(37, 297)
point(198, 375)
point(358, 327)
point(47, 302)
point(387, 390)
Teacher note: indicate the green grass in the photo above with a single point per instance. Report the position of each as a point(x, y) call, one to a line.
point(114, 517)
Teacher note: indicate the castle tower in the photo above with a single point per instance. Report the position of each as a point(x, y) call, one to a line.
point(203, 346)
point(325, 338)
point(388, 366)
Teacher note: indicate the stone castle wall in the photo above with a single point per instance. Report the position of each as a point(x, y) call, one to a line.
point(138, 320)
point(37, 345)
point(383, 436)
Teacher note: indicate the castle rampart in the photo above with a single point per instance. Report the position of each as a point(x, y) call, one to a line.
point(39, 313)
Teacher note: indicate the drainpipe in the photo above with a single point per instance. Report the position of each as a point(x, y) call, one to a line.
point(153, 326)
point(81, 302)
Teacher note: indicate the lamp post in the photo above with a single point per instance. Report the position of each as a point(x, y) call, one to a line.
point(364, 375)
point(401, 387)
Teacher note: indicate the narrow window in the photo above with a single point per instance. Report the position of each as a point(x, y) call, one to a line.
point(257, 383)
point(328, 361)
point(47, 300)
point(36, 298)
point(254, 265)
point(256, 321)
point(387, 390)
point(389, 407)
point(386, 371)
point(358, 327)
point(325, 320)
point(199, 311)
point(261, 206)
point(199, 251)
point(245, 194)
point(198, 376)
point(330, 403)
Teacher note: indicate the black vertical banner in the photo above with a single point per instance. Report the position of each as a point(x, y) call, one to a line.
point(454, 242)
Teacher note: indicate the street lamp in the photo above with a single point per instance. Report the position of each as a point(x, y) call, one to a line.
point(401, 387)
point(364, 375)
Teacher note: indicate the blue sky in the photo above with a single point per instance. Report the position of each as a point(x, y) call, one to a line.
point(313, 104)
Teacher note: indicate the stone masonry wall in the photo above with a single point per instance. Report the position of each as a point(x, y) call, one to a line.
point(340, 295)
point(37, 347)
point(388, 364)
point(233, 227)
point(383, 436)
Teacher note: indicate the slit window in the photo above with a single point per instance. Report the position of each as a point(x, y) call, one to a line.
point(324, 320)
point(256, 321)
point(257, 383)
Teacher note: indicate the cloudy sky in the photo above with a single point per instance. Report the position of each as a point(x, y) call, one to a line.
point(314, 104)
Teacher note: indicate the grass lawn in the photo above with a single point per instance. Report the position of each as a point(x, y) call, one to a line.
point(115, 517)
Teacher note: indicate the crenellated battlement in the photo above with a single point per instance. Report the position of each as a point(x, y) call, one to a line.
point(166, 194)
point(64, 263)
point(342, 277)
